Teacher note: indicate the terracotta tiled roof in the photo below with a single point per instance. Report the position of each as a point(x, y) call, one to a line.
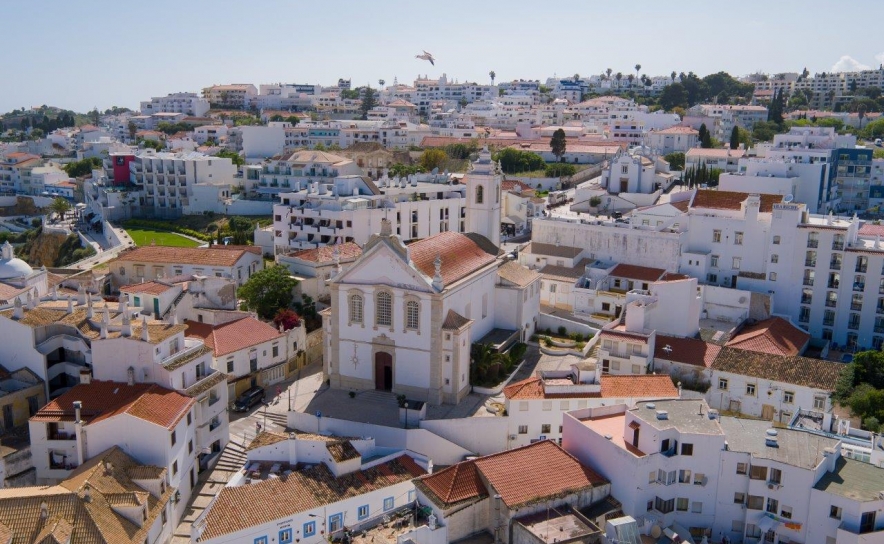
point(234, 335)
point(74, 519)
point(681, 205)
point(207, 256)
point(565, 273)
point(730, 200)
point(532, 473)
point(871, 229)
point(553, 250)
point(148, 287)
point(676, 130)
point(640, 273)
point(342, 450)
point(460, 255)
point(627, 386)
point(326, 254)
point(457, 483)
point(454, 321)
point(775, 336)
point(511, 184)
point(689, 351)
point(238, 508)
point(645, 385)
point(266, 438)
point(674, 277)
point(102, 400)
point(517, 274)
point(804, 371)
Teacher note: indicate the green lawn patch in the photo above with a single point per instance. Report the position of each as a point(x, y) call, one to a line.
point(146, 237)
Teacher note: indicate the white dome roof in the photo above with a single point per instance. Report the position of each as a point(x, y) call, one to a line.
point(12, 267)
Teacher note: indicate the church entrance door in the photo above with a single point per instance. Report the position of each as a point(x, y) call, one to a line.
point(383, 371)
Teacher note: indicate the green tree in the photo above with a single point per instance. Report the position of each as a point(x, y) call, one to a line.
point(432, 158)
point(132, 129)
point(239, 224)
point(735, 137)
point(705, 137)
point(673, 96)
point(60, 207)
point(268, 291)
point(558, 144)
point(492, 75)
point(675, 160)
point(400, 170)
point(94, 116)
point(82, 167)
point(234, 157)
point(514, 161)
point(276, 118)
point(764, 131)
point(559, 170)
point(368, 102)
point(482, 358)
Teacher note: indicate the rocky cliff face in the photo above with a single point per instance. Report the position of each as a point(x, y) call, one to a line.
point(43, 251)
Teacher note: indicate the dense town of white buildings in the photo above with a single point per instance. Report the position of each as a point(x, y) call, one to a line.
point(618, 355)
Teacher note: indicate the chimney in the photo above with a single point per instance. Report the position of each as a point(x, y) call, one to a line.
point(54, 292)
point(127, 325)
point(87, 493)
point(85, 376)
point(88, 305)
point(70, 304)
point(17, 311)
point(122, 306)
point(81, 294)
point(78, 407)
point(438, 284)
point(108, 467)
point(44, 510)
point(130, 376)
point(173, 315)
point(145, 334)
point(105, 321)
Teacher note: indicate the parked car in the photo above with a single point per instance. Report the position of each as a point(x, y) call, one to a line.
point(249, 398)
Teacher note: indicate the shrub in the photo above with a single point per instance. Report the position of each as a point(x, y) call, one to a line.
point(563, 332)
point(580, 346)
point(352, 394)
point(534, 338)
point(547, 341)
point(595, 201)
point(164, 226)
point(573, 336)
point(578, 336)
point(558, 170)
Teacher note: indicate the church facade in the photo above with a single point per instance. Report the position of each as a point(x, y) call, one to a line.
point(403, 318)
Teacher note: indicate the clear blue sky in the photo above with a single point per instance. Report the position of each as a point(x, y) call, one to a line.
point(80, 54)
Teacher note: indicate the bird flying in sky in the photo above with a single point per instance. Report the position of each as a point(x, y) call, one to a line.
point(426, 56)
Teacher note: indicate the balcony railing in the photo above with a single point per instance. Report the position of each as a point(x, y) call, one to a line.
point(833, 284)
point(806, 299)
point(835, 265)
point(859, 286)
point(813, 243)
point(214, 424)
point(810, 262)
point(861, 268)
point(837, 246)
point(831, 303)
point(856, 306)
point(808, 282)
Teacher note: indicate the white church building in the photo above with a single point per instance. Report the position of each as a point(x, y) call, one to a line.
point(403, 318)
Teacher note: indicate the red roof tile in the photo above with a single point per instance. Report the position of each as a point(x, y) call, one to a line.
point(645, 386)
point(148, 287)
point(871, 229)
point(102, 400)
point(208, 256)
point(774, 336)
point(531, 473)
point(232, 336)
point(689, 351)
point(730, 200)
point(460, 255)
point(326, 254)
point(456, 483)
point(640, 273)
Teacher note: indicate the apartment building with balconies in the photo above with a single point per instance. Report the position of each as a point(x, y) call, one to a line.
point(187, 103)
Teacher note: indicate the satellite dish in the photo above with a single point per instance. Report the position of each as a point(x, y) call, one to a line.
point(788, 198)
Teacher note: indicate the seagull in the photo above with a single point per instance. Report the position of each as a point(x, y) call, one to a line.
point(426, 56)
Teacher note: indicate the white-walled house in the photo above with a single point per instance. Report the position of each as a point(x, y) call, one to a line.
point(678, 462)
point(535, 406)
point(157, 262)
point(308, 488)
point(314, 267)
point(677, 139)
point(249, 351)
point(150, 423)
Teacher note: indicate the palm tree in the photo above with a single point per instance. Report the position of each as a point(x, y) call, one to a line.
point(483, 356)
point(576, 78)
point(60, 207)
point(492, 75)
point(672, 75)
point(618, 77)
point(638, 68)
point(381, 83)
point(631, 79)
point(609, 72)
